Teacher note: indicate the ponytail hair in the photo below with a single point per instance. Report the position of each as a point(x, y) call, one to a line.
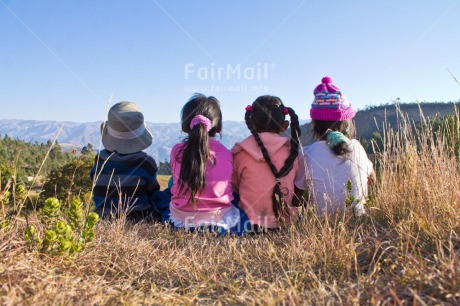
point(267, 114)
point(201, 119)
point(335, 133)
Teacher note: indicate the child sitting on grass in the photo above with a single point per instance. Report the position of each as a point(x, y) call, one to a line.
point(124, 177)
point(202, 170)
point(265, 164)
point(327, 165)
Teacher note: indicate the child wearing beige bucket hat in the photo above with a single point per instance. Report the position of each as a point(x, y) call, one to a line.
point(124, 177)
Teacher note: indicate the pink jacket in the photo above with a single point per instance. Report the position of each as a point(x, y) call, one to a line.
point(216, 199)
point(254, 181)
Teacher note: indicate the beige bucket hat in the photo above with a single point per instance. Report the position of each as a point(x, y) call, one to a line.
point(125, 131)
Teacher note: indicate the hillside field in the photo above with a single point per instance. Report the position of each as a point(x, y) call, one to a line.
point(163, 180)
point(405, 251)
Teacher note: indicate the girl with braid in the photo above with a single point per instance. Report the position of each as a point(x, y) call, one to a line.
point(265, 164)
point(201, 172)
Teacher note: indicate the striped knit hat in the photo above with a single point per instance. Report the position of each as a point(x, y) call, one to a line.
point(329, 103)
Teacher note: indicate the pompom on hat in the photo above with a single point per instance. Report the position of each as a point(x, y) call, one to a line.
point(330, 104)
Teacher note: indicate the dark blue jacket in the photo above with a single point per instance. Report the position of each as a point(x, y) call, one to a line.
point(123, 182)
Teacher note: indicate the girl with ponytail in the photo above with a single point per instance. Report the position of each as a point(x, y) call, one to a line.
point(328, 165)
point(201, 172)
point(265, 164)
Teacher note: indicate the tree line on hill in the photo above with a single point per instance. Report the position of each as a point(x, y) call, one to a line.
point(441, 118)
point(43, 170)
point(373, 121)
point(20, 159)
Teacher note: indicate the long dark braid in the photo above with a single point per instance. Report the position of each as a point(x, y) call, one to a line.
point(267, 115)
point(295, 135)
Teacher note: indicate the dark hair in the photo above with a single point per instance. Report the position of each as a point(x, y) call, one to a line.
point(268, 115)
point(195, 154)
point(322, 128)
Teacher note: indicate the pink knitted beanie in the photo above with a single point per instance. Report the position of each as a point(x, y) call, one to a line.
point(329, 103)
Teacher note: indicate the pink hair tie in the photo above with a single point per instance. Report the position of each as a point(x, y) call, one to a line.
point(248, 108)
point(286, 111)
point(200, 119)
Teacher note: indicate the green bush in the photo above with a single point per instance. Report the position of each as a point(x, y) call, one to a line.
point(66, 232)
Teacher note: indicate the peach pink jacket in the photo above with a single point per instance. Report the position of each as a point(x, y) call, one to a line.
point(254, 181)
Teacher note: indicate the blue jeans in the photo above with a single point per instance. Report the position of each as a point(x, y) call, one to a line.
point(242, 227)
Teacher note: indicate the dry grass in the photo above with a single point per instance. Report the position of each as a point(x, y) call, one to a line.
point(406, 251)
point(163, 180)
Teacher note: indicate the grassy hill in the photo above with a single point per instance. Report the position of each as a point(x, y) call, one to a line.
point(405, 251)
point(372, 119)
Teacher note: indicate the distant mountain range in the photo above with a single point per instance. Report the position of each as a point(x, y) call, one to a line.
point(76, 135)
point(166, 135)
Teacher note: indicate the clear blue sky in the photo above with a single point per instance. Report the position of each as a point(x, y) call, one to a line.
point(62, 60)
